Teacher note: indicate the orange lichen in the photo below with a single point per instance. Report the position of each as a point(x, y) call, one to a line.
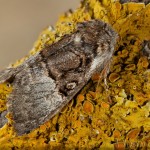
point(119, 146)
point(116, 134)
point(96, 77)
point(80, 98)
point(105, 105)
point(114, 77)
point(88, 107)
point(133, 134)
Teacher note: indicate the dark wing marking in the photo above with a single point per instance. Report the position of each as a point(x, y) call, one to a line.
point(7, 74)
point(34, 97)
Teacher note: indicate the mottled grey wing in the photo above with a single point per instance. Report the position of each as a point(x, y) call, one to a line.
point(3, 119)
point(34, 98)
point(10, 73)
point(6, 74)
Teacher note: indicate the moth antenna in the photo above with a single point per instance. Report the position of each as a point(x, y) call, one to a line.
point(106, 72)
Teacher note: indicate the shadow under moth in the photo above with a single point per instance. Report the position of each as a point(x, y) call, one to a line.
point(47, 81)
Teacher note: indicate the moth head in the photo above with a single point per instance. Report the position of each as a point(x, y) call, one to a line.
point(99, 38)
point(98, 33)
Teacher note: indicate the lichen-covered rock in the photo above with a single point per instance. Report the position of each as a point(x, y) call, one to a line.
point(110, 115)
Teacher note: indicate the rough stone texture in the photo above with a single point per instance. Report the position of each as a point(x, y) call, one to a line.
point(116, 117)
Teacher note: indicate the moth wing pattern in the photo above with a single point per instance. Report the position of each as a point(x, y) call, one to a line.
point(9, 73)
point(6, 74)
point(47, 81)
point(34, 97)
point(3, 119)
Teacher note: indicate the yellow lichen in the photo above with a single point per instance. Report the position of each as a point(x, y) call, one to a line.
point(112, 116)
point(5, 90)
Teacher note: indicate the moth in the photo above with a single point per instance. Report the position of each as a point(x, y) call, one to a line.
point(47, 81)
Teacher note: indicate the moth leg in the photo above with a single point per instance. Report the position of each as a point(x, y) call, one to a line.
point(103, 74)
